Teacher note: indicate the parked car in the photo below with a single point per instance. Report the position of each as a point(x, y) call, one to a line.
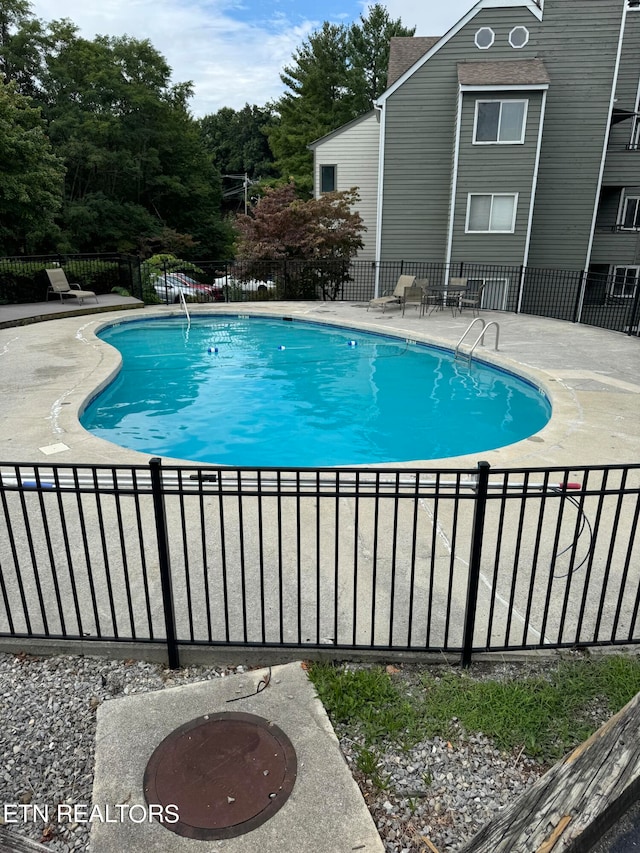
point(251, 285)
point(169, 285)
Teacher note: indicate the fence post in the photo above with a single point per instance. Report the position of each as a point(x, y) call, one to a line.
point(477, 532)
point(164, 562)
point(634, 316)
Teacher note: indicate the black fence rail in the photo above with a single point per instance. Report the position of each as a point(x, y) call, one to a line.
point(383, 560)
point(593, 298)
point(597, 298)
point(24, 280)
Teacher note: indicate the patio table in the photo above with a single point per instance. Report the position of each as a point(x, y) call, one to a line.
point(443, 292)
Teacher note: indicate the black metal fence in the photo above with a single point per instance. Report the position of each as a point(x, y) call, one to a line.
point(23, 279)
point(597, 298)
point(385, 559)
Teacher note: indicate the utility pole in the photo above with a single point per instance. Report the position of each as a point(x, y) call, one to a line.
point(245, 184)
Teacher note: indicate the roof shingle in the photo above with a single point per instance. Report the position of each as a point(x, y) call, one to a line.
point(404, 51)
point(504, 72)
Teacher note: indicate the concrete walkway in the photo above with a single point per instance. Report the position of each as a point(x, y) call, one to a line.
point(37, 312)
point(325, 812)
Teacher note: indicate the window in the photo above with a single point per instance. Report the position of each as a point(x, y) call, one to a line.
point(499, 121)
point(631, 213)
point(635, 131)
point(495, 212)
point(484, 38)
point(518, 37)
point(494, 295)
point(327, 179)
point(625, 281)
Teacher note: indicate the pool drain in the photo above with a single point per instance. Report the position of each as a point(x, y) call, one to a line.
point(226, 773)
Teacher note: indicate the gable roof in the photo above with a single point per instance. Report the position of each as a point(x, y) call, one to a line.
point(340, 129)
point(531, 5)
point(404, 51)
point(503, 72)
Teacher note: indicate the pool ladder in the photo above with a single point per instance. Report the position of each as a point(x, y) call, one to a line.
point(183, 301)
point(479, 339)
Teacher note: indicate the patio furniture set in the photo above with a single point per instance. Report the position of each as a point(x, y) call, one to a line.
point(427, 297)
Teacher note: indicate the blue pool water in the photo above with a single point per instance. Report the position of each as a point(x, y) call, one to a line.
point(271, 392)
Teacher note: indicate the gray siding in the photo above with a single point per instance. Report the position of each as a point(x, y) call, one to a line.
point(420, 137)
point(495, 169)
point(615, 248)
point(577, 41)
point(627, 83)
point(622, 167)
point(579, 50)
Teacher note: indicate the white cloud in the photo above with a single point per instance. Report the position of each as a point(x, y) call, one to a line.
point(230, 62)
point(430, 17)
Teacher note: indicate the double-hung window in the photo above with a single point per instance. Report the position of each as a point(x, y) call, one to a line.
point(625, 281)
point(327, 179)
point(631, 213)
point(501, 122)
point(491, 213)
point(634, 142)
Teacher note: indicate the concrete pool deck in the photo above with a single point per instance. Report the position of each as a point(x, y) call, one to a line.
point(49, 369)
point(592, 377)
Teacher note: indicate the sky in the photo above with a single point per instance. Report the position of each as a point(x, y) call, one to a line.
point(234, 50)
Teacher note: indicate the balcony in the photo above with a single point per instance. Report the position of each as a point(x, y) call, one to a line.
point(613, 244)
point(622, 166)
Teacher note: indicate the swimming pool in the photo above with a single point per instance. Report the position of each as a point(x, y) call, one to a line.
point(276, 392)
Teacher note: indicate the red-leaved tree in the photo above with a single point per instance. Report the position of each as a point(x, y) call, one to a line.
point(317, 238)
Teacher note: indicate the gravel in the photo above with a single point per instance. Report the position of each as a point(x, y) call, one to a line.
point(434, 798)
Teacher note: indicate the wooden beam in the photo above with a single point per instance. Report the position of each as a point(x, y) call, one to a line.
point(569, 808)
point(11, 842)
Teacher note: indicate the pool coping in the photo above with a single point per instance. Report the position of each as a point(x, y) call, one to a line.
point(586, 403)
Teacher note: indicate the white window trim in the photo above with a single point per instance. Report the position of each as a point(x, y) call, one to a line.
point(485, 46)
point(526, 41)
point(333, 166)
point(623, 214)
point(486, 283)
point(635, 267)
point(500, 101)
point(511, 230)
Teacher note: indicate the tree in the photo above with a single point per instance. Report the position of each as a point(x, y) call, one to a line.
point(368, 49)
point(22, 43)
point(138, 175)
point(137, 168)
point(283, 226)
point(31, 176)
point(335, 76)
point(314, 105)
point(237, 140)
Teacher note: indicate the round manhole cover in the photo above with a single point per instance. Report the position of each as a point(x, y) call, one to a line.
point(226, 774)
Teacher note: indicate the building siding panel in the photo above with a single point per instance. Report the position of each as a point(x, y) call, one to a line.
point(355, 153)
point(495, 169)
point(579, 50)
point(420, 131)
point(577, 41)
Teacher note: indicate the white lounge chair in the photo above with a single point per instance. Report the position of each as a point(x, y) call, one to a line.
point(394, 298)
point(58, 284)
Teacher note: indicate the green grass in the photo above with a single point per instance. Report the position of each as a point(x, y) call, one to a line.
point(545, 715)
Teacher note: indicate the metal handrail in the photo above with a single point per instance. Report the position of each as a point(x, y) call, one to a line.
point(479, 339)
point(186, 310)
point(466, 332)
